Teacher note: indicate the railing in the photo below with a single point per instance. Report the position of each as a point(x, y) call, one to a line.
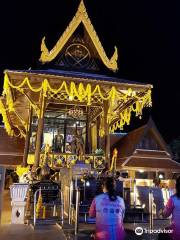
point(151, 209)
point(76, 225)
point(70, 203)
point(54, 209)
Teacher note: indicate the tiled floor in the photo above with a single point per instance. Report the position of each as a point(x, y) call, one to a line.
point(23, 232)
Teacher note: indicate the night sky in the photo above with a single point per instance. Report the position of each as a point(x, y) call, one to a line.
point(147, 34)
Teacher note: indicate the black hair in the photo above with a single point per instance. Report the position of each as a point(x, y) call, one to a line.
point(178, 187)
point(109, 184)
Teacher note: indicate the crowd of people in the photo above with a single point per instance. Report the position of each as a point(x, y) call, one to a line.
point(109, 210)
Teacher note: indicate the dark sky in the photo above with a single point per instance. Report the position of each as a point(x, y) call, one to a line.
point(147, 34)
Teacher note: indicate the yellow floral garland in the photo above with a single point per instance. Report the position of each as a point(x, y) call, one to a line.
point(80, 91)
point(8, 128)
point(84, 93)
point(21, 170)
point(125, 116)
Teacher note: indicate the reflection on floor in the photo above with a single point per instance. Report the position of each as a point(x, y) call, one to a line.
point(24, 232)
point(6, 208)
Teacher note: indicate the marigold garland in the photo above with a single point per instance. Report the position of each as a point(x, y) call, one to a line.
point(21, 170)
point(8, 128)
point(82, 93)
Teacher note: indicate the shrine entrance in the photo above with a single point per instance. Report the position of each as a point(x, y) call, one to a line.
point(60, 132)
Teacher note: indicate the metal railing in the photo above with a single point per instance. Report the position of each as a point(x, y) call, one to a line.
point(54, 209)
point(151, 209)
point(76, 225)
point(76, 205)
point(70, 203)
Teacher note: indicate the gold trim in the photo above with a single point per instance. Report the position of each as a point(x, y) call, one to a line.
point(5, 118)
point(80, 17)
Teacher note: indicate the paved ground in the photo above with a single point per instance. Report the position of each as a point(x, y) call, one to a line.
point(6, 208)
point(23, 232)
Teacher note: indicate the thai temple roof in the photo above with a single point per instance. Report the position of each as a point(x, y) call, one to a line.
point(75, 71)
point(81, 17)
point(129, 143)
point(92, 76)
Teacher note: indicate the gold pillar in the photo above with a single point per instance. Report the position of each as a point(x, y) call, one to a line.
point(94, 137)
point(39, 130)
point(107, 135)
point(88, 147)
point(27, 140)
point(98, 127)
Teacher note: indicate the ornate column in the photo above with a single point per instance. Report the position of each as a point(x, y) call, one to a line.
point(88, 146)
point(27, 140)
point(98, 126)
point(64, 140)
point(107, 135)
point(39, 130)
point(87, 138)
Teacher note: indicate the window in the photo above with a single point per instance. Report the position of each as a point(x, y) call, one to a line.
point(59, 133)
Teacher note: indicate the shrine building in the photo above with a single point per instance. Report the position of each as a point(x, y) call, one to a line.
point(145, 156)
point(72, 101)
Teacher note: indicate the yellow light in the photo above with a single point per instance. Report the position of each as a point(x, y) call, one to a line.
point(133, 93)
point(71, 98)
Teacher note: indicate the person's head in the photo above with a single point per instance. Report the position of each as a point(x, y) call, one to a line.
point(109, 187)
point(178, 187)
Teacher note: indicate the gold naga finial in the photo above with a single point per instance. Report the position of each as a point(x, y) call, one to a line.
point(43, 47)
point(81, 16)
point(114, 59)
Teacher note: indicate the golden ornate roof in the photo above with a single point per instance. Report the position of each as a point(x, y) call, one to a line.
point(81, 16)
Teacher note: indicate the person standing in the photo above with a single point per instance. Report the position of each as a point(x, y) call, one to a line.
point(173, 208)
point(109, 209)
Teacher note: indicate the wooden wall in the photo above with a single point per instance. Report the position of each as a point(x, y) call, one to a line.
point(11, 149)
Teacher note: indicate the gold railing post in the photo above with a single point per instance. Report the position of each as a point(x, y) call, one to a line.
point(107, 135)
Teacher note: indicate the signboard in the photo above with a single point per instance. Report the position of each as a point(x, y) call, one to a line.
point(49, 190)
point(2, 174)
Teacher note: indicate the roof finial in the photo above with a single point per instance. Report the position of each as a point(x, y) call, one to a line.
point(82, 7)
